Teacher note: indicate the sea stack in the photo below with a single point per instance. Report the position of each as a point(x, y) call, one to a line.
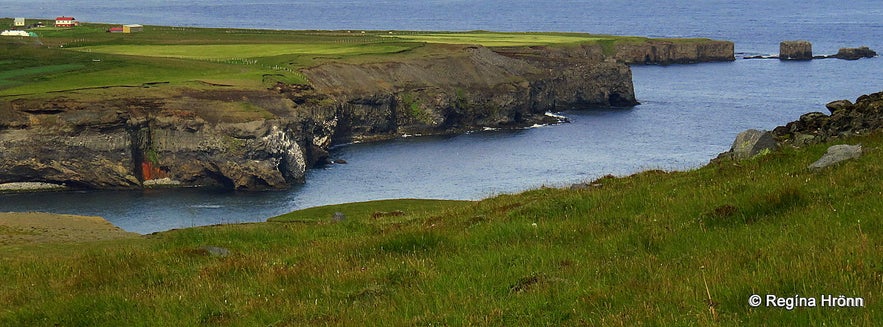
point(795, 50)
point(855, 53)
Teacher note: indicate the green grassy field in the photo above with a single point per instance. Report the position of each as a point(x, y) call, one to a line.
point(495, 39)
point(656, 248)
point(65, 59)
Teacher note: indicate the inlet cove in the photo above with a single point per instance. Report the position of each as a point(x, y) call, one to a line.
point(254, 109)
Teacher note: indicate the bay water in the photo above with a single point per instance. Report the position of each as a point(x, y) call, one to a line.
point(689, 113)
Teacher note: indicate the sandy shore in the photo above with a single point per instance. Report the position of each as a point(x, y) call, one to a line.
point(36, 227)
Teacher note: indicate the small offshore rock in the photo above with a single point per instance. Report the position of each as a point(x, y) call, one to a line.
point(338, 217)
point(836, 154)
point(855, 53)
point(752, 142)
point(795, 50)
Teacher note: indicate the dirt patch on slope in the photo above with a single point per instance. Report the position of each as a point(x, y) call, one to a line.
point(37, 227)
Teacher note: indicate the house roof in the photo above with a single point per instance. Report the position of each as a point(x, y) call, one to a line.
point(65, 18)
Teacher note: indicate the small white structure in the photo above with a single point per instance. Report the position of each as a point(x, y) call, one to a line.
point(133, 28)
point(19, 22)
point(14, 33)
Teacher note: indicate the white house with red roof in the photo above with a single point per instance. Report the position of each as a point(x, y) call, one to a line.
point(65, 21)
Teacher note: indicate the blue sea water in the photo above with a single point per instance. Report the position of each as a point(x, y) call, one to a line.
point(689, 113)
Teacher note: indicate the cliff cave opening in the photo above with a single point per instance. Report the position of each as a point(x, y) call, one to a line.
point(617, 100)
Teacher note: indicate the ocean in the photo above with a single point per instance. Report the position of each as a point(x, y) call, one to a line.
point(689, 113)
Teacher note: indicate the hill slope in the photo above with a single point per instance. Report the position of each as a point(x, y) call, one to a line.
point(646, 249)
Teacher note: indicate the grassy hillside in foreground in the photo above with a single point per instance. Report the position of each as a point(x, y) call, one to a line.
point(66, 59)
point(648, 249)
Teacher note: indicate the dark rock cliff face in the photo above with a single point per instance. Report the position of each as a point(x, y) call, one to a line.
point(473, 88)
point(252, 139)
point(656, 52)
point(130, 143)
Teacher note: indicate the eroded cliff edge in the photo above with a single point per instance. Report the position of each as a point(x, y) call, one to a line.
point(210, 135)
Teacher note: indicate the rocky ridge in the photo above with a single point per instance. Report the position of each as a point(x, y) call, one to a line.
point(846, 119)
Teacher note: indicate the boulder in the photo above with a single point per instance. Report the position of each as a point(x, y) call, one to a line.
point(752, 142)
point(835, 106)
point(836, 154)
point(214, 251)
point(795, 50)
point(855, 53)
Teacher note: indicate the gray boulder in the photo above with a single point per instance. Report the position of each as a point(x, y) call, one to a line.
point(215, 251)
point(836, 154)
point(752, 142)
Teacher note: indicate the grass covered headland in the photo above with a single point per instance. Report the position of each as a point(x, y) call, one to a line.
point(88, 57)
point(655, 248)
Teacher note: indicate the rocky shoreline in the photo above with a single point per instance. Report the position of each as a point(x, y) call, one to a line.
point(846, 119)
point(216, 136)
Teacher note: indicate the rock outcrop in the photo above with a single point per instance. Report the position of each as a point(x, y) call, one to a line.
point(472, 88)
point(185, 139)
point(751, 143)
point(855, 53)
point(845, 119)
point(836, 154)
point(795, 50)
point(802, 50)
point(661, 52)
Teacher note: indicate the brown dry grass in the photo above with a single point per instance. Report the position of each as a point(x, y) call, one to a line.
point(37, 227)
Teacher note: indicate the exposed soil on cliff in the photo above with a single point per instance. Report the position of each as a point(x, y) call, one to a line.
point(37, 227)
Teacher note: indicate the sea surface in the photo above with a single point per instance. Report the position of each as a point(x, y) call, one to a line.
point(689, 113)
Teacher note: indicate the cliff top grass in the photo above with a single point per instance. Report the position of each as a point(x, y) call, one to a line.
point(88, 57)
point(655, 248)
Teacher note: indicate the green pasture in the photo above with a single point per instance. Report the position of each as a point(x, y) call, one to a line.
point(398, 210)
point(232, 51)
point(493, 39)
point(98, 71)
point(86, 57)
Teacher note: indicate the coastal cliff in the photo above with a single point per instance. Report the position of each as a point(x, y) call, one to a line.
point(214, 135)
point(177, 140)
point(473, 87)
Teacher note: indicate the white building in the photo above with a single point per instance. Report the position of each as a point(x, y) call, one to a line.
point(19, 22)
point(133, 28)
point(14, 33)
point(65, 21)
